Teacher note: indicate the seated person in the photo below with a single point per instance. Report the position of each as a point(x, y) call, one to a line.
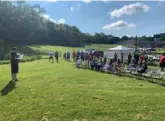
point(78, 63)
point(143, 67)
point(99, 64)
point(132, 65)
point(105, 67)
point(118, 66)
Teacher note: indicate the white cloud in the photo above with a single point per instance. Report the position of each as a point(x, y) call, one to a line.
point(71, 9)
point(118, 25)
point(52, 0)
point(129, 9)
point(86, 1)
point(61, 21)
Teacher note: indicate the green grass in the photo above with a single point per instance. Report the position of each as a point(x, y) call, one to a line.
point(160, 50)
point(70, 49)
point(61, 92)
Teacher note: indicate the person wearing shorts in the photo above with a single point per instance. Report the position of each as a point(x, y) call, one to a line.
point(14, 64)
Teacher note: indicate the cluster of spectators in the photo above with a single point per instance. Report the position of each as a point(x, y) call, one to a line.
point(96, 61)
point(138, 61)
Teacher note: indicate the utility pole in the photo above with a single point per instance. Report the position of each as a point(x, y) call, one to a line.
point(136, 43)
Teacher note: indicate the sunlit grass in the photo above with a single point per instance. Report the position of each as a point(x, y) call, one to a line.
point(60, 92)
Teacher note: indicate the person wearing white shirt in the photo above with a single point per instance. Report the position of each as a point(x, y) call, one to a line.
point(51, 56)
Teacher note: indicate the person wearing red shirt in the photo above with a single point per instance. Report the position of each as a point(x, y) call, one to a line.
point(162, 61)
point(141, 58)
point(90, 58)
point(74, 55)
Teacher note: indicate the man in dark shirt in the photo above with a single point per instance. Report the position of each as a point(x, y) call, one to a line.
point(56, 56)
point(129, 58)
point(122, 57)
point(14, 64)
point(115, 57)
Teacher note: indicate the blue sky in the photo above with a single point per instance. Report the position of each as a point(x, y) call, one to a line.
point(136, 18)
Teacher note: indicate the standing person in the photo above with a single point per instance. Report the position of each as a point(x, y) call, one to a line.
point(14, 64)
point(105, 60)
point(97, 54)
point(68, 56)
point(82, 56)
point(90, 58)
point(77, 55)
point(74, 55)
point(115, 57)
point(136, 56)
point(129, 58)
point(141, 58)
point(122, 57)
point(86, 59)
point(56, 56)
point(51, 56)
point(64, 56)
point(162, 62)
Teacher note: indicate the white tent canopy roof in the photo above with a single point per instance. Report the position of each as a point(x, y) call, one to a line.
point(120, 48)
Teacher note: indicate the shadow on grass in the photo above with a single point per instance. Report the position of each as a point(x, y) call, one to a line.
point(8, 88)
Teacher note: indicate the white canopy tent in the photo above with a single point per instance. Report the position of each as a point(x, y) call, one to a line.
point(111, 51)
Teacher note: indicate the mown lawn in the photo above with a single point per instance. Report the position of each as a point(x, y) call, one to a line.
point(47, 48)
point(60, 92)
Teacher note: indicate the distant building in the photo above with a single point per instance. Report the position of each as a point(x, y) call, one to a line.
point(144, 43)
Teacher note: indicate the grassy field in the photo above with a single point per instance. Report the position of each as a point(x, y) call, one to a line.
point(70, 49)
point(60, 92)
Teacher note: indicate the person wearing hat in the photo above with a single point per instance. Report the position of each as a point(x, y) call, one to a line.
point(14, 64)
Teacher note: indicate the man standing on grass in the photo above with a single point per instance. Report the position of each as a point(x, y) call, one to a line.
point(162, 62)
point(129, 58)
point(56, 56)
point(51, 56)
point(74, 55)
point(115, 57)
point(14, 64)
point(122, 57)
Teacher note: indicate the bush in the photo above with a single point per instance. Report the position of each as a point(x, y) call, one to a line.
point(4, 62)
point(25, 59)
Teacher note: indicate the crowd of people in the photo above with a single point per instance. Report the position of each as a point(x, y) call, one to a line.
point(93, 60)
point(96, 61)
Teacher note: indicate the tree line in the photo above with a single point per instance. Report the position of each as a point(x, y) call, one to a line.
point(23, 24)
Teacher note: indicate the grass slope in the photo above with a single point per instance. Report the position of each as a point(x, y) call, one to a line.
point(70, 49)
point(60, 92)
